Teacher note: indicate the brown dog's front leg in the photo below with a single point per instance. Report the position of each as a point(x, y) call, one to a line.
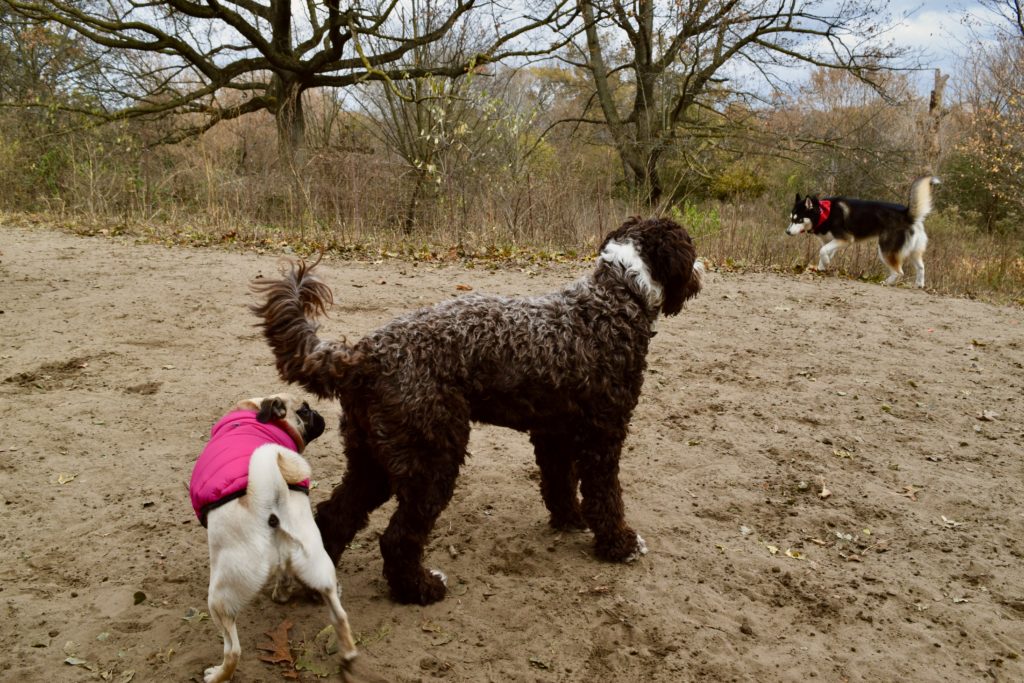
point(614, 540)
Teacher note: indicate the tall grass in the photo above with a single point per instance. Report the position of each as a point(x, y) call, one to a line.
point(227, 188)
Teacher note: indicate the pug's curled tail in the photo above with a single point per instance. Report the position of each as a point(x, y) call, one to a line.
point(289, 311)
point(271, 470)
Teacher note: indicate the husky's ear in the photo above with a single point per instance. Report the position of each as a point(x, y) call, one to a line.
point(809, 202)
point(797, 198)
point(272, 409)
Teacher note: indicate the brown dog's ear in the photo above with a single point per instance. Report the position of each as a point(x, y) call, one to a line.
point(271, 409)
point(670, 255)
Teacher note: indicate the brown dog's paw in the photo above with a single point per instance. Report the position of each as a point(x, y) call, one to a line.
point(428, 588)
point(625, 547)
point(569, 522)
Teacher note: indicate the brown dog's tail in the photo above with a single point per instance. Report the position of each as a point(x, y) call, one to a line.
point(291, 306)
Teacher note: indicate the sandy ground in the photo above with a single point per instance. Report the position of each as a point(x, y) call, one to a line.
point(906, 407)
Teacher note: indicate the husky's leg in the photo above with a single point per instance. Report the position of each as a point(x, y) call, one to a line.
point(827, 251)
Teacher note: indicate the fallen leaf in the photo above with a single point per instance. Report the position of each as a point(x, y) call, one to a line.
point(880, 547)
point(795, 554)
point(305, 662)
point(327, 639)
point(75, 661)
point(949, 523)
point(910, 492)
point(539, 663)
point(825, 493)
point(430, 627)
point(277, 649)
point(193, 614)
point(774, 550)
point(464, 288)
point(988, 415)
point(65, 477)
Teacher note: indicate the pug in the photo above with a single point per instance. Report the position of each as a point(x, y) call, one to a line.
point(250, 489)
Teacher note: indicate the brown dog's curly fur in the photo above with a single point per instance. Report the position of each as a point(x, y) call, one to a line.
point(566, 368)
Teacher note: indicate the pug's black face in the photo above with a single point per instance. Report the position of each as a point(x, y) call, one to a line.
point(313, 422)
point(290, 412)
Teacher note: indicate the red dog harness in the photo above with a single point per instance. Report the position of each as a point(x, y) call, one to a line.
point(824, 209)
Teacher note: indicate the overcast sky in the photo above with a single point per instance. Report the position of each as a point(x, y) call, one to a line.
point(941, 28)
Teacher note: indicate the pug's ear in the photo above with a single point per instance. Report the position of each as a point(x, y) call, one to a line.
point(271, 409)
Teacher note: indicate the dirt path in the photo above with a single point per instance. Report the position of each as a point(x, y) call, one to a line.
point(116, 358)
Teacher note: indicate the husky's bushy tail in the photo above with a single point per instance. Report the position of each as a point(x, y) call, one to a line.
point(291, 306)
point(921, 197)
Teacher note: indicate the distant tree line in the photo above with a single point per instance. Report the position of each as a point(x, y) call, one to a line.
point(476, 107)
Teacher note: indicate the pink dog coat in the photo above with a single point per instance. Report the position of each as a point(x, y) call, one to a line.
point(222, 471)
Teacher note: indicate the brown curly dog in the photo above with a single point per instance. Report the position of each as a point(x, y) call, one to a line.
point(565, 367)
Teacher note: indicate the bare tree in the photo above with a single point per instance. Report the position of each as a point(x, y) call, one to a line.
point(987, 162)
point(221, 59)
point(41, 62)
point(1010, 10)
point(653, 63)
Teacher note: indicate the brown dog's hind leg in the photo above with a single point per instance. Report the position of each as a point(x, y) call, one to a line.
point(363, 489)
point(558, 480)
point(423, 493)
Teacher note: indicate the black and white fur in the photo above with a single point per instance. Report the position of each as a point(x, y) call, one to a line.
point(270, 533)
point(899, 229)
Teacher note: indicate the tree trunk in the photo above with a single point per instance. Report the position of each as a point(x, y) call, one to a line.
point(932, 146)
point(641, 158)
point(637, 137)
point(291, 122)
point(414, 201)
